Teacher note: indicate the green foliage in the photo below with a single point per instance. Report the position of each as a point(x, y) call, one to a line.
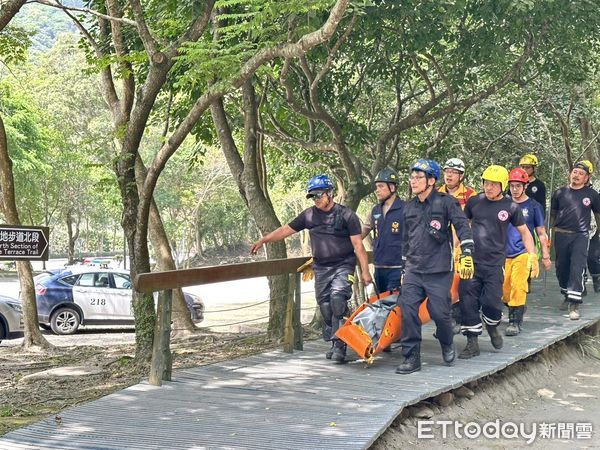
point(244, 28)
point(14, 42)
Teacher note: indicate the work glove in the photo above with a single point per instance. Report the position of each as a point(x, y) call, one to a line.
point(466, 267)
point(533, 266)
point(307, 271)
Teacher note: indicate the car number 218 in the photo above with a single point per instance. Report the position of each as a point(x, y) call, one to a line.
point(97, 301)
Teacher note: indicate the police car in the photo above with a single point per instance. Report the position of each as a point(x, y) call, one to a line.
point(83, 295)
point(11, 318)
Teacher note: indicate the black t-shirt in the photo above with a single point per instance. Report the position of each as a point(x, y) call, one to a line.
point(330, 234)
point(537, 191)
point(489, 223)
point(573, 208)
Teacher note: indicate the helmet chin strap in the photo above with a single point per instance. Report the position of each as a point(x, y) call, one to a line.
point(389, 196)
point(427, 187)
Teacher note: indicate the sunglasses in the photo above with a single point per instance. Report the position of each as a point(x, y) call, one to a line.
point(317, 195)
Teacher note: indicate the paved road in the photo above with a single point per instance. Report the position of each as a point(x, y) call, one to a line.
point(220, 299)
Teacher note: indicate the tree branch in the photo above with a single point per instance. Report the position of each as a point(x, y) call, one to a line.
point(8, 10)
point(287, 50)
point(58, 5)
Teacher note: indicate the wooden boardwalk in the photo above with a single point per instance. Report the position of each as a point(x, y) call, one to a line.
point(280, 401)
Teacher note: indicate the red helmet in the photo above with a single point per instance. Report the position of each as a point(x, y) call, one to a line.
point(518, 174)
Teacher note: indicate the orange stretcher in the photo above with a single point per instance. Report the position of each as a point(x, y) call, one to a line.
point(354, 334)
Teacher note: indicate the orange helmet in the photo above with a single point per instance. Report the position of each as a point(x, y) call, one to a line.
point(518, 174)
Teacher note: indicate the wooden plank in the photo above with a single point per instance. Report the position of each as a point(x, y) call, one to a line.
point(276, 400)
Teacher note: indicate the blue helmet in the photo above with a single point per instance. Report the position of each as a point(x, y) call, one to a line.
point(429, 166)
point(319, 182)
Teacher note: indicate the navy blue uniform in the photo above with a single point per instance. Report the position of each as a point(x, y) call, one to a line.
point(428, 250)
point(483, 292)
point(572, 213)
point(334, 261)
point(387, 244)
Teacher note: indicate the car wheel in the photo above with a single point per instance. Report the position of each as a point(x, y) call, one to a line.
point(65, 321)
point(2, 331)
point(43, 326)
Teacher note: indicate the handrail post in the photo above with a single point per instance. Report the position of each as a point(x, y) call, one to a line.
point(297, 320)
point(288, 329)
point(162, 361)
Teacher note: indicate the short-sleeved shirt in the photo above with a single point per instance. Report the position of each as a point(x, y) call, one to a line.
point(532, 213)
point(573, 208)
point(330, 233)
point(489, 222)
point(537, 191)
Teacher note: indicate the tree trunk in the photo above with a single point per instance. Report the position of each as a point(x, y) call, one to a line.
point(588, 140)
point(33, 336)
point(72, 236)
point(245, 172)
point(182, 319)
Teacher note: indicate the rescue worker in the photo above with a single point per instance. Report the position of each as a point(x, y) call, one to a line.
point(454, 177)
point(429, 263)
point(336, 243)
point(387, 222)
point(536, 189)
point(515, 268)
point(490, 213)
point(570, 217)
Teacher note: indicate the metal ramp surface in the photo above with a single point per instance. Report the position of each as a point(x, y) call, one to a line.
point(277, 400)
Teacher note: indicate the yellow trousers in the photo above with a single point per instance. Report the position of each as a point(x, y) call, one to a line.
point(514, 290)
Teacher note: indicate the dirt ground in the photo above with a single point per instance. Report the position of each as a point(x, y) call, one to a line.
point(554, 396)
point(34, 384)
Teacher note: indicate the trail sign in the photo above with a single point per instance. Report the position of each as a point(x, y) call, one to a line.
point(23, 243)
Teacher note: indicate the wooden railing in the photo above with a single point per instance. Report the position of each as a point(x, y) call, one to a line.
point(165, 282)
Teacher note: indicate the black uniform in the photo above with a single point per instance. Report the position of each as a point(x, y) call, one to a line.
point(571, 210)
point(387, 244)
point(489, 222)
point(537, 191)
point(334, 261)
point(427, 248)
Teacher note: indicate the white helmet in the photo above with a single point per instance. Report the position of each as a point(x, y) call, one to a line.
point(455, 163)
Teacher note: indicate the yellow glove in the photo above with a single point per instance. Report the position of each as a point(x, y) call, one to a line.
point(307, 270)
point(533, 266)
point(466, 268)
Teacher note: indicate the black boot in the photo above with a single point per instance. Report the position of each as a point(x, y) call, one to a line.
point(449, 354)
point(495, 336)
point(513, 326)
point(329, 352)
point(596, 281)
point(411, 363)
point(472, 348)
point(519, 313)
point(339, 354)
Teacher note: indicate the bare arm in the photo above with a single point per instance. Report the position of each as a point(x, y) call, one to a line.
point(276, 235)
point(363, 259)
point(543, 237)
